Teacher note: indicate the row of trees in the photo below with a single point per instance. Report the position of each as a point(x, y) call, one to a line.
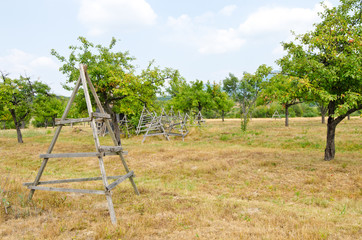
point(322, 66)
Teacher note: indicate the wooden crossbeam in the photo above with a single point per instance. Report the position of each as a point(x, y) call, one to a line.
point(110, 148)
point(101, 115)
point(76, 155)
point(72, 190)
point(119, 180)
point(74, 120)
point(73, 180)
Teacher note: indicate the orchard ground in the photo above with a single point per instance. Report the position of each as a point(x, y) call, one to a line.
point(268, 183)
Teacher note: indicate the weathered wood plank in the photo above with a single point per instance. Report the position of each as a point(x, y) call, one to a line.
point(110, 148)
point(70, 155)
point(119, 180)
point(85, 154)
point(101, 115)
point(67, 190)
point(72, 180)
point(74, 120)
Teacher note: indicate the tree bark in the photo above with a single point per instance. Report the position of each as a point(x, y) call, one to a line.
point(17, 126)
point(286, 115)
point(223, 115)
point(330, 151)
point(323, 118)
point(323, 110)
point(115, 126)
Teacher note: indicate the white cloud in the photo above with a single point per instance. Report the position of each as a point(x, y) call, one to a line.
point(221, 41)
point(101, 15)
point(183, 22)
point(207, 40)
point(228, 10)
point(280, 19)
point(43, 62)
point(17, 62)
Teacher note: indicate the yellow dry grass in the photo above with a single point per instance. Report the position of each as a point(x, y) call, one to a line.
point(269, 183)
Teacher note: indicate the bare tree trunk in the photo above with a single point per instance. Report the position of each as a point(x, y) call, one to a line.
point(115, 126)
point(18, 132)
point(286, 115)
point(323, 110)
point(223, 115)
point(323, 118)
point(330, 150)
point(17, 126)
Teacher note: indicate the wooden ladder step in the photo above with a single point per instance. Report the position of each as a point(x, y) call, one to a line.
point(73, 180)
point(73, 120)
point(119, 180)
point(77, 155)
point(110, 149)
point(101, 115)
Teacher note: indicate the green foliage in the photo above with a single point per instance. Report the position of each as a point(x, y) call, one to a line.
point(328, 61)
point(245, 91)
point(329, 58)
point(17, 99)
point(119, 87)
point(221, 101)
point(47, 108)
point(188, 97)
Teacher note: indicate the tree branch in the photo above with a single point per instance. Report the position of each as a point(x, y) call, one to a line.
point(352, 110)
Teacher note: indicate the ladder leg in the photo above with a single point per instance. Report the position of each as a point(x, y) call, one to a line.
point(37, 179)
point(108, 193)
point(130, 178)
point(111, 208)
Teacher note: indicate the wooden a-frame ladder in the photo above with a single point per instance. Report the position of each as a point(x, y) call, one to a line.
point(101, 151)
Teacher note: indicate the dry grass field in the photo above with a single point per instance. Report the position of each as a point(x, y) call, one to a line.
point(268, 183)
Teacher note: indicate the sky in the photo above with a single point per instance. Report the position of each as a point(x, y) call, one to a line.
point(203, 39)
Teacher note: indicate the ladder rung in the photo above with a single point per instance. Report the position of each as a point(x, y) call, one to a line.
point(74, 120)
point(101, 115)
point(110, 148)
point(72, 180)
point(77, 155)
point(119, 180)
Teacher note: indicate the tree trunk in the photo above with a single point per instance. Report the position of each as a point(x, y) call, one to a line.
point(323, 118)
point(323, 110)
point(18, 132)
point(17, 126)
point(330, 150)
point(286, 115)
point(115, 126)
point(223, 115)
point(349, 117)
point(330, 146)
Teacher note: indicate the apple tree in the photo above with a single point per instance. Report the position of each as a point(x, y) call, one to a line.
point(329, 58)
point(245, 91)
point(117, 83)
point(18, 97)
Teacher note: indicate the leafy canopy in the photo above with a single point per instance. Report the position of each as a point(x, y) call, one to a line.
point(330, 57)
